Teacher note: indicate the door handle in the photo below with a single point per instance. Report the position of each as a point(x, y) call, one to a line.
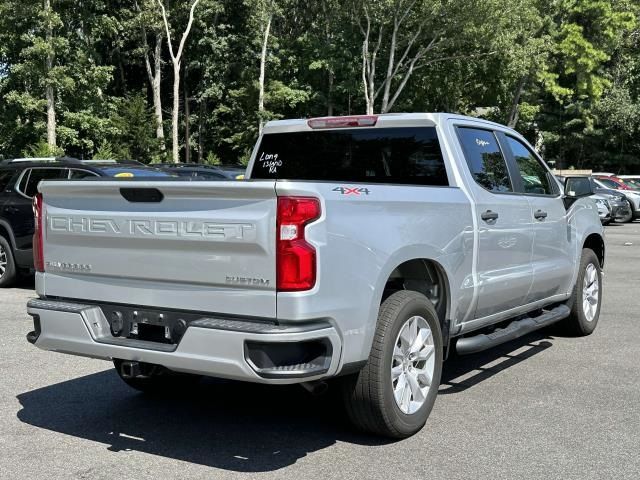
point(540, 215)
point(489, 216)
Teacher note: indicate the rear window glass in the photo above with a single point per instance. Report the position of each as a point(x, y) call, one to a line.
point(373, 155)
point(5, 178)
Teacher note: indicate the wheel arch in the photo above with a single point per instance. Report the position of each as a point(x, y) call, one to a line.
point(426, 276)
point(595, 242)
point(7, 232)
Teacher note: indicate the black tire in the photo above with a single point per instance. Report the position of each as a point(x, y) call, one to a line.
point(578, 322)
point(8, 271)
point(158, 380)
point(368, 395)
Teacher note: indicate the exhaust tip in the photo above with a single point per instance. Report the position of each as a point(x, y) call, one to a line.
point(130, 369)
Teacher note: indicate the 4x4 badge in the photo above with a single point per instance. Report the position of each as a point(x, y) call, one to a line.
point(351, 190)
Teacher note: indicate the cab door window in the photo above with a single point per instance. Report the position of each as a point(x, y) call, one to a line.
point(485, 159)
point(534, 176)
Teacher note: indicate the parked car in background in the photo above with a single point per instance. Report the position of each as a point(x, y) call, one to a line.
point(631, 195)
point(612, 181)
point(604, 209)
point(620, 207)
point(197, 171)
point(19, 180)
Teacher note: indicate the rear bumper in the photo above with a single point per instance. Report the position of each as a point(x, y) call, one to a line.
point(214, 347)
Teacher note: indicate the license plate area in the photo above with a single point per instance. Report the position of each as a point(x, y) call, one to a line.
point(158, 326)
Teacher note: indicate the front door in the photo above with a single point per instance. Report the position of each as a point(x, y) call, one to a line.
point(505, 237)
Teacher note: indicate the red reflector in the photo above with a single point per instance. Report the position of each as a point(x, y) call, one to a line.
point(38, 254)
point(295, 257)
point(343, 122)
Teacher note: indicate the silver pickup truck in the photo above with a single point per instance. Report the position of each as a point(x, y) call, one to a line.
point(360, 249)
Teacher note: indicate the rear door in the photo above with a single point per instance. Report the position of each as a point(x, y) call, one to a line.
point(505, 238)
point(198, 246)
point(552, 256)
point(18, 209)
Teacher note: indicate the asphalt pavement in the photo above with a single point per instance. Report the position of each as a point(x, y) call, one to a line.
point(543, 406)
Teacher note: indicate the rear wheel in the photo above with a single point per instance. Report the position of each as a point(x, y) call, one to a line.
point(395, 391)
point(156, 379)
point(587, 296)
point(8, 272)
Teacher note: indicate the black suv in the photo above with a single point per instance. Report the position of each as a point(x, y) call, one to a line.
point(19, 180)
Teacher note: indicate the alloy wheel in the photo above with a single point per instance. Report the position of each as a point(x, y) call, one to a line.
point(590, 292)
point(413, 365)
point(3, 261)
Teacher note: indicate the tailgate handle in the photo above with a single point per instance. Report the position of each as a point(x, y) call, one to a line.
point(142, 195)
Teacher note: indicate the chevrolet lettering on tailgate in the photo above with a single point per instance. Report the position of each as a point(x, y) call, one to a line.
point(148, 228)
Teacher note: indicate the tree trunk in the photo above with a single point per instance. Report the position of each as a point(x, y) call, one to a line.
point(330, 81)
point(263, 65)
point(201, 114)
point(390, 67)
point(187, 113)
point(175, 113)
point(156, 86)
point(514, 114)
point(175, 58)
point(50, 93)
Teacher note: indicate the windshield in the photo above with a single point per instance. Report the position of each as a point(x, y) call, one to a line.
point(409, 155)
point(631, 184)
point(609, 183)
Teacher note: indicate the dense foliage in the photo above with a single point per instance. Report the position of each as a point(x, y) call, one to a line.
point(96, 77)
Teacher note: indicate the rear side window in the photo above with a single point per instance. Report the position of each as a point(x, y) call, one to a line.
point(374, 155)
point(31, 179)
point(535, 178)
point(78, 174)
point(5, 178)
point(485, 159)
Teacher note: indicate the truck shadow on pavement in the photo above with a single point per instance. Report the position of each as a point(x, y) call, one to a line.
point(463, 372)
point(229, 425)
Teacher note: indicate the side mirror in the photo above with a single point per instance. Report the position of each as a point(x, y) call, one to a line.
point(578, 187)
point(575, 188)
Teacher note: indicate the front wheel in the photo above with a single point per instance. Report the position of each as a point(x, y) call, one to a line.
point(586, 299)
point(395, 391)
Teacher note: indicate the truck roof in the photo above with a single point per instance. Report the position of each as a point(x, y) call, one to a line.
point(383, 120)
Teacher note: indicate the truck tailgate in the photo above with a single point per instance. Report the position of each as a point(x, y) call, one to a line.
point(205, 246)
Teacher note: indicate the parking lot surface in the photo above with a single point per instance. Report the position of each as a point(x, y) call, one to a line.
point(543, 406)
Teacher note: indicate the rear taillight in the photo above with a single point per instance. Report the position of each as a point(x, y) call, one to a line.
point(38, 256)
point(295, 257)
